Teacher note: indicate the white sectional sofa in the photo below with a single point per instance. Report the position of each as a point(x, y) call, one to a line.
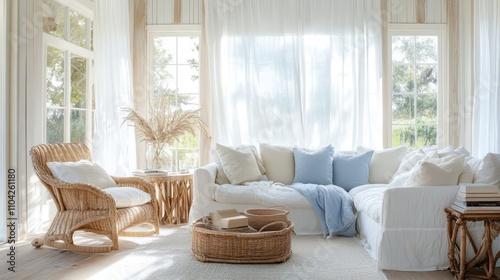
point(400, 211)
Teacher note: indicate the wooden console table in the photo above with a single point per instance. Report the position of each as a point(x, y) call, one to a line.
point(175, 196)
point(484, 255)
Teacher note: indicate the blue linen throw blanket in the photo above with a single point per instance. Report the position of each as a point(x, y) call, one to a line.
point(333, 205)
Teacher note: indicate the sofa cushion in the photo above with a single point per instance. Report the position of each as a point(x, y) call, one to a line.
point(259, 193)
point(313, 167)
point(489, 170)
point(82, 171)
point(128, 196)
point(369, 200)
point(351, 171)
point(436, 172)
point(239, 165)
point(384, 163)
point(279, 163)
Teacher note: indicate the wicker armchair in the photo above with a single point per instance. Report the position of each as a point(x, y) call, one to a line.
point(86, 207)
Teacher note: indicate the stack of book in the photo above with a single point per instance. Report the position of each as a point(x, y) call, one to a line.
point(477, 198)
point(228, 219)
point(149, 172)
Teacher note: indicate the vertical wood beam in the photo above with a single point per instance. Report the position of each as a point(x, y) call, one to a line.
point(139, 70)
point(177, 11)
point(420, 11)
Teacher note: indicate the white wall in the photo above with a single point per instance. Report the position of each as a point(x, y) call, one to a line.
point(398, 11)
point(406, 11)
point(162, 11)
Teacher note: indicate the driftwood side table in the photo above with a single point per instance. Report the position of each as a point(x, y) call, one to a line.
point(174, 194)
point(484, 256)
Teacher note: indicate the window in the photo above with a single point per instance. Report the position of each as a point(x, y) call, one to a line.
point(417, 83)
point(173, 55)
point(68, 62)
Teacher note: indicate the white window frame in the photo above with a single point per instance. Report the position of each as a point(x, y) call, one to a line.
point(439, 30)
point(168, 30)
point(69, 48)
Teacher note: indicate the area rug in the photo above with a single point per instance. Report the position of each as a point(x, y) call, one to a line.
point(168, 256)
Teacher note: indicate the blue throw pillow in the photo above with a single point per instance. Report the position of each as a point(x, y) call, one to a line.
point(351, 171)
point(313, 167)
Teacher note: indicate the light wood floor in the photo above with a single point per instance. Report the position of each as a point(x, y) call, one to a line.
point(49, 263)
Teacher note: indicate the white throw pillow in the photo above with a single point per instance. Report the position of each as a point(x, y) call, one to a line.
point(450, 150)
point(82, 171)
point(128, 196)
point(239, 165)
point(407, 165)
point(279, 163)
point(385, 163)
point(489, 171)
point(220, 177)
point(467, 175)
point(410, 160)
point(436, 172)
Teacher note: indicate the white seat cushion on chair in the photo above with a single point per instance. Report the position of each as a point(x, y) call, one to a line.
point(128, 196)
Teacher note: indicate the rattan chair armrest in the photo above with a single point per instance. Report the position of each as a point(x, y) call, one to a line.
point(95, 198)
point(135, 182)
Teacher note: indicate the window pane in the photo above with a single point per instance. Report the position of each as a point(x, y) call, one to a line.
point(402, 79)
point(403, 109)
point(427, 108)
point(188, 159)
point(77, 126)
point(164, 75)
point(403, 135)
point(427, 79)
point(55, 126)
point(403, 49)
point(164, 50)
point(54, 20)
point(188, 50)
point(78, 81)
point(427, 135)
point(187, 79)
point(55, 77)
point(426, 49)
point(78, 29)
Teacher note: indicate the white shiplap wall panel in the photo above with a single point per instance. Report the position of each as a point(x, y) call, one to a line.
point(411, 11)
point(404, 11)
point(149, 11)
point(161, 12)
point(186, 12)
point(399, 11)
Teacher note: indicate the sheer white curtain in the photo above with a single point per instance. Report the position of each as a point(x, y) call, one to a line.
point(113, 144)
point(487, 77)
point(304, 72)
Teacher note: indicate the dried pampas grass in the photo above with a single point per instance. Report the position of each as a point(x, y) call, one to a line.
point(165, 123)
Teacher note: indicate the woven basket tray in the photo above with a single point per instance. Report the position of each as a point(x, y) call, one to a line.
point(241, 246)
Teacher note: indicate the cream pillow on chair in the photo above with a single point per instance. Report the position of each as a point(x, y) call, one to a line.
point(82, 171)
